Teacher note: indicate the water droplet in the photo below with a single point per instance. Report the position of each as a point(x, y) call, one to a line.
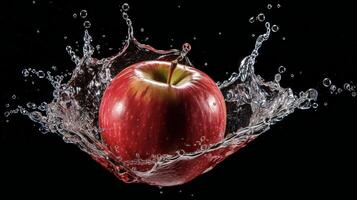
point(142, 30)
point(312, 94)
point(194, 38)
point(277, 77)
point(325, 103)
point(33, 2)
point(219, 33)
point(292, 75)
point(103, 36)
point(269, 6)
point(261, 17)
point(278, 5)
point(353, 94)
point(326, 82)
point(86, 24)
point(186, 47)
point(83, 13)
point(25, 72)
point(229, 95)
point(65, 37)
point(275, 28)
point(161, 192)
point(31, 105)
point(252, 19)
point(125, 7)
point(253, 35)
point(203, 147)
point(347, 86)
point(281, 69)
point(205, 64)
point(283, 38)
point(125, 16)
point(75, 15)
point(13, 96)
point(68, 49)
point(332, 88)
point(41, 74)
point(315, 105)
point(38, 31)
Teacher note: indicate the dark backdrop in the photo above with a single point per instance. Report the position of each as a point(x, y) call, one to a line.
point(310, 153)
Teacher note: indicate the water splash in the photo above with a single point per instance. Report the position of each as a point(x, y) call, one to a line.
point(253, 104)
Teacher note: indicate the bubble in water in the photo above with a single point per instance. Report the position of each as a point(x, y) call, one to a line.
point(283, 38)
point(7, 114)
point(353, 94)
point(278, 5)
point(13, 96)
point(261, 17)
point(87, 24)
point(83, 13)
point(25, 72)
point(37, 31)
point(277, 77)
point(347, 86)
point(33, 2)
point(339, 90)
point(315, 105)
point(281, 69)
point(125, 7)
point(252, 19)
point(275, 28)
point(219, 33)
point(205, 64)
point(326, 82)
point(7, 105)
point(325, 103)
point(142, 30)
point(75, 15)
point(253, 35)
point(292, 75)
point(269, 6)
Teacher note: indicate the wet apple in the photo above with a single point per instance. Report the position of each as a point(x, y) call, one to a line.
point(159, 107)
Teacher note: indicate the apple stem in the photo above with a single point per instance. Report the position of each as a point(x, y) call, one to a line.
point(172, 69)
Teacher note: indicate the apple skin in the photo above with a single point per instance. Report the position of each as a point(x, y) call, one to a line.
point(141, 114)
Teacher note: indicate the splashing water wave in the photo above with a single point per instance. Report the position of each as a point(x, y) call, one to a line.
point(253, 104)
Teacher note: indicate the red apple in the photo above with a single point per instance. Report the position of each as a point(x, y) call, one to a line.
point(157, 107)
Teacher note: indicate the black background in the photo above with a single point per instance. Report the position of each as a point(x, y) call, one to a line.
point(310, 153)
